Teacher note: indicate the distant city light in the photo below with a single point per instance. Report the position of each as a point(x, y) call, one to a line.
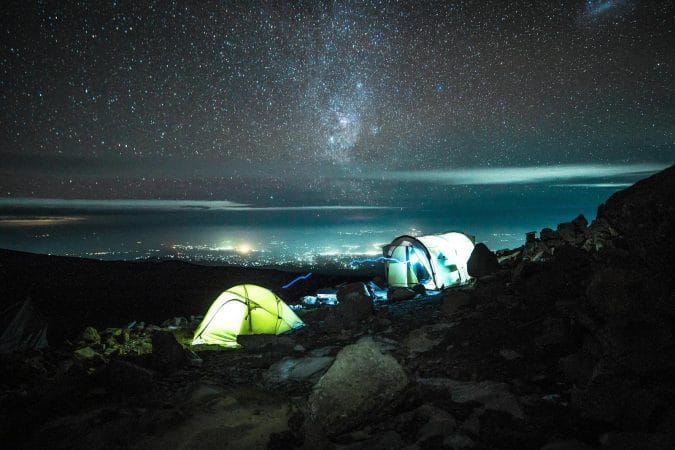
point(243, 248)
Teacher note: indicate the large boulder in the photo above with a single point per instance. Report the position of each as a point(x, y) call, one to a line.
point(644, 216)
point(361, 383)
point(482, 261)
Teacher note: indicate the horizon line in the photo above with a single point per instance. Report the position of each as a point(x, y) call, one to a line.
point(160, 204)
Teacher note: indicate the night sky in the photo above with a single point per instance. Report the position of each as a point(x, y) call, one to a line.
point(334, 103)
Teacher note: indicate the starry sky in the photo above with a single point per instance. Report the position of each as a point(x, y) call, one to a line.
point(331, 103)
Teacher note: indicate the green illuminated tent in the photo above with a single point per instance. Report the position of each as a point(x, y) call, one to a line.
point(436, 261)
point(245, 309)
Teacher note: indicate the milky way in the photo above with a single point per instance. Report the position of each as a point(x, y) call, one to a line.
point(296, 102)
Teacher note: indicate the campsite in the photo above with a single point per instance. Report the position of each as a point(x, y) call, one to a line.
point(556, 344)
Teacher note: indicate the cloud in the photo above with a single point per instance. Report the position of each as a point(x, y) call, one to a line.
point(518, 175)
point(116, 204)
point(162, 205)
point(594, 185)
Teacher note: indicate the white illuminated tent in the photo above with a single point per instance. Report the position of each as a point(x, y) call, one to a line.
point(436, 261)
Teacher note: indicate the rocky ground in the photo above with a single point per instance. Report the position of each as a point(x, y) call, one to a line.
point(565, 343)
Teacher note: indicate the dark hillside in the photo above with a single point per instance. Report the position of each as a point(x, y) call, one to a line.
point(74, 292)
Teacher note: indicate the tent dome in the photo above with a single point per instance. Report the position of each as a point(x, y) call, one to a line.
point(245, 309)
point(436, 261)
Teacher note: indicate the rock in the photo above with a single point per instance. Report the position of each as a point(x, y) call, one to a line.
point(493, 395)
point(235, 420)
point(600, 236)
point(298, 369)
point(472, 424)
point(322, 351)
point(360, 384)
point(580, 223)
point(203, 392)
point(602, 400)
point(640, 409)
point(644, 215)
point(114, 332)
point(573, 264)
point(438, 422)
point(400, 294)
point(571, 444)
point(110, 343)
point(354, 303)
point(637, 346)
point(420, 340)
point(642, 441)
point(537, 250)
point(666, 421)
point(125, 377)
point(509, 354)
point(193, 359)
point(454, 299)
point(458, 441)
point(90, 336)
point(386, 345)
point(387, 440)
point(556, 333)
point(257, 342)
point(562, 277)
point(314, 436)
point(613, 293)
point(85, 353)
point(167, 353)
point(420, 289)
point(524, 270)
point(482, 261)
point(123, 338)
point(577, 368)
point(176, 323)
point(568, 233)
point(121, 335)
point(547, 234)
point(142, 347)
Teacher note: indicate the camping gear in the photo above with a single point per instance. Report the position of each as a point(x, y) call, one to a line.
point(245, 309)
point(22, 328)
point(435, 261)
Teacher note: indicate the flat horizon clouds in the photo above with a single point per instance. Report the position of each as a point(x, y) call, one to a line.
point(182, 205)
point(521, 175)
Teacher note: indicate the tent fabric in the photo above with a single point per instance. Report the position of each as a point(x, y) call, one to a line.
point(245, 309)
point(27, 330)
point(435, 261)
